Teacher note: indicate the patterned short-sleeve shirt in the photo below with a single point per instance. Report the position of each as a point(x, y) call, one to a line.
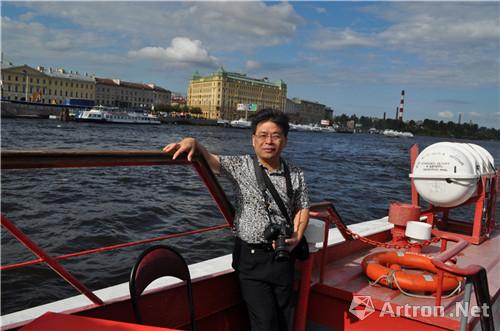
point(252, 217)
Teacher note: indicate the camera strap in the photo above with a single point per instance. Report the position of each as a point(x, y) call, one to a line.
point(264, 181)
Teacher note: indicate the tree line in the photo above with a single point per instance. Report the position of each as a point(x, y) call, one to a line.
point(426, 127)
point(177, 108)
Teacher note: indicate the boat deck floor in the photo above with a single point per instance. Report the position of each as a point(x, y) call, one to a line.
point(344, 277)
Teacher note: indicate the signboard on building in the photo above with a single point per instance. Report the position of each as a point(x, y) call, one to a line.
point(246, 107)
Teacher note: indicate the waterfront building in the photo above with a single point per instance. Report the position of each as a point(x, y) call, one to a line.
point(219, 94)
point(305, 112)
point(119, 93)
point(45, 85)
point(178, 100)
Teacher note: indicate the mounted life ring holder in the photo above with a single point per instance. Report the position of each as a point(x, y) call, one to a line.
point(408, 272)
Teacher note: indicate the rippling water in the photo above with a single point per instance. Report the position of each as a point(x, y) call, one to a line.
point(67, 210)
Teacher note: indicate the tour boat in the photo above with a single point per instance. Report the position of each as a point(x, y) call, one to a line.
point(393, 133)
point(416, 269)
point(241, 124)
point(103, 114)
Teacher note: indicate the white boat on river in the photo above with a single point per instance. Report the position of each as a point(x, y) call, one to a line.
point(392, 133)
point(311, 127)
point(241, 123)
point(102, 114)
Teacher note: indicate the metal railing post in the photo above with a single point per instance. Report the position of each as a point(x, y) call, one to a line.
point(53, 264)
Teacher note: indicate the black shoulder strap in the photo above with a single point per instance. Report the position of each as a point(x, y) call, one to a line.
point(264, 181)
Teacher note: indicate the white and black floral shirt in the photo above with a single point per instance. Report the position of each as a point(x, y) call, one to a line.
point(251, 216)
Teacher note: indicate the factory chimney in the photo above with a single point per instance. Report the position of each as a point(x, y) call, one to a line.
point(401, 105)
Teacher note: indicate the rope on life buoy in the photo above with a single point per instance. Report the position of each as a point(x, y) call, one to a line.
point(384, 268)
point(390, 278)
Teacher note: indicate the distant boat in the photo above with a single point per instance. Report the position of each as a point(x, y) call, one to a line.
point(241, 123)
point(330, 129)
point(311, 127)
point(102, 114)
point(392, 133)
point(222, 122)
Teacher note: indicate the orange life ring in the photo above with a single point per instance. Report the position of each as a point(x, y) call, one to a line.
point(418, 275)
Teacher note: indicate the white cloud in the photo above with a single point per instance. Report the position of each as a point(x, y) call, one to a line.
point(320, 10)
point(221, 25)
point(181, 51)
point(333, 39)
point(474, 114)
point(450, 44)
point(252, 65)
point(446, 114)
point(425, 27)
point(22, 38)
point(27, 16)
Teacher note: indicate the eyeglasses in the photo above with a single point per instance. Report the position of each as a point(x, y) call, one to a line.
point(273, 136)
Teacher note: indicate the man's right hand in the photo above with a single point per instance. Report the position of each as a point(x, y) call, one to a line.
point(190, 146)
point(185, 145)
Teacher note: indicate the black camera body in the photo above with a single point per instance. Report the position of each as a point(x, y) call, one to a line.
point(278, 233)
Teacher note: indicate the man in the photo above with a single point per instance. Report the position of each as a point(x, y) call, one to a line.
point(266, 283)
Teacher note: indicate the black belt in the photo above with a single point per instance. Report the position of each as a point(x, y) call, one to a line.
point(263, 246)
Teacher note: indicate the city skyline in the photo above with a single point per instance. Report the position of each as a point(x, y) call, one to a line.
point(355, 57)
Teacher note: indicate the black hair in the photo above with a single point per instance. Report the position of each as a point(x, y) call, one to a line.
point(273, 115)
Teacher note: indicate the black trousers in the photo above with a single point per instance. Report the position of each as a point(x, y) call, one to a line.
point(266, 286)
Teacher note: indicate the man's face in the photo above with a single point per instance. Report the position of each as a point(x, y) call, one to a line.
point(268, 141)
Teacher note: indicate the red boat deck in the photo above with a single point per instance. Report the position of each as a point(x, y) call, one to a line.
point(344, 278)
point(325, 306)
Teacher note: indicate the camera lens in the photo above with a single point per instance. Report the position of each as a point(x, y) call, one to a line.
point(278, 233)
point(281, 253)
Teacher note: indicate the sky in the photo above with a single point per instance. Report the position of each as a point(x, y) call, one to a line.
point(354, 57)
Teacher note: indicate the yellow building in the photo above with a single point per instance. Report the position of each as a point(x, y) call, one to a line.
point(45, 85)
point(220, 94)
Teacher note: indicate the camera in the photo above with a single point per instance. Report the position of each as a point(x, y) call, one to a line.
point(278, 233)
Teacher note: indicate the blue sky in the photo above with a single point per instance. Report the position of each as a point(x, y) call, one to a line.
point(355, 57)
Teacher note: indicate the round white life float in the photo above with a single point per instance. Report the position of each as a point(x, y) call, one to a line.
point(446, 174)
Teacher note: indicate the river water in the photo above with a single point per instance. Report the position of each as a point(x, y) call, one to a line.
point(68, 210)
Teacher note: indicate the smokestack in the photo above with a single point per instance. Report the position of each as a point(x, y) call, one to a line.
point(397, 113)
point(384, 115)
point(459, 118)
point(401, 105)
